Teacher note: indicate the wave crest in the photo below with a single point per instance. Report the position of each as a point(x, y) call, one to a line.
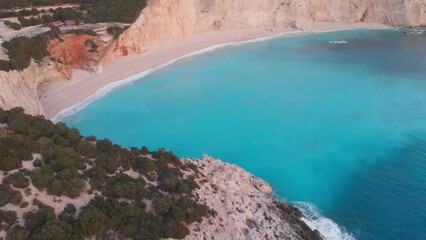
point(328, 229)
point(120, 83)
point(338, 42)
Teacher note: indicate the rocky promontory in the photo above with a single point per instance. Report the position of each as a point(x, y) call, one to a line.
point(244, 205)
point(57, 184)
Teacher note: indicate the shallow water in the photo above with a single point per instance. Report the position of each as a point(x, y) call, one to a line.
point(334, 121)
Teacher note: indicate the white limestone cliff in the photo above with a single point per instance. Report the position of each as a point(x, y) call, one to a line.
point(19, 89)
point(166, 20)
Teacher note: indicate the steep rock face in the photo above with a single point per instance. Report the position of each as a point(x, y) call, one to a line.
point(245, 206)
point(166, 20)
point(77, 51)
point(19, 89)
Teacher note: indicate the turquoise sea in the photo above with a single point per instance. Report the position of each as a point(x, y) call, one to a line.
point(335, 122)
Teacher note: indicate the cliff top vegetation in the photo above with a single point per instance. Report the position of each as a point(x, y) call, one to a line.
point(129, 192)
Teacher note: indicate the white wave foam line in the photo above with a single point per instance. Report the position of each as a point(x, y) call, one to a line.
point(66, 112)
point(351, 29)
point(338, 42)
point(328, 229)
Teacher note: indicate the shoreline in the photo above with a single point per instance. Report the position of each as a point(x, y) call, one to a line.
point(60, 99)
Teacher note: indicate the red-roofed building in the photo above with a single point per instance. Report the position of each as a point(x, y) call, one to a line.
point(70, 23)
point(57, 24)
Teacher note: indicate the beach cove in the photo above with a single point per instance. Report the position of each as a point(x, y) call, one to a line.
point(332, 121)
point(61, 98)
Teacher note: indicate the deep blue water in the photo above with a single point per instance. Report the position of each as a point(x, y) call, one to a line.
point(339, 129)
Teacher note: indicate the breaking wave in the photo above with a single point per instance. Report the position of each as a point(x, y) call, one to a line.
point(328, 229)
point(338, 42)
point(131, 79)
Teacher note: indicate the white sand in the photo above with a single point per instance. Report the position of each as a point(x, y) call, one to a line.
point(60, 96)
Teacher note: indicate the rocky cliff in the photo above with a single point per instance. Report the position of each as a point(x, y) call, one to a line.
point(19, 89)
point(245, 206)
point(166, 20)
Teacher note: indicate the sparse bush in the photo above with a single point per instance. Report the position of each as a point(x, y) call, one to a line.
point(36, 220)
point(37, 163)
point(18, 233)
point(9, 163)
point(86, 148)
point(60, 158)
point(9, 195)
point(17, 180)
point(22, 49)
point(68, 182)
point(42, 177)
point(68, 214)
point(144, 150)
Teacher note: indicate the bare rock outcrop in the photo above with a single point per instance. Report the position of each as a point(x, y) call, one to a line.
point(19, 89)
point(245, 206)
point(77, 51)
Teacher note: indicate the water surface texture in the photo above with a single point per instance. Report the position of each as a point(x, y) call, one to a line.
point(334, 121)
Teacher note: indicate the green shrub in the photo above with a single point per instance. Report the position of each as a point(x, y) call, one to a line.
point(86, 148)
point(108, 162)
point(68, 214)
point(44, 143)
point(22, 49)
point(47, 18)
point(89, 32)
point(114, 11)
point(37, 163)
point(115, 31)
point(144, 165)
point(53, 230)
point(36, 220)
point(98, 177)
point(3, 116)
point(9, 163)
point(43, 177)
point(123, 186)
point(10, 217)
point(144, 150)
point(15, 26)
point(17, 180)
point(92, 221)
point(68, 182)
point(61, 158)
point(18, 233)
point(9, 195)
point(20, 125)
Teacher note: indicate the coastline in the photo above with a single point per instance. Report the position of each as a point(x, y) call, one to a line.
point(60, 99)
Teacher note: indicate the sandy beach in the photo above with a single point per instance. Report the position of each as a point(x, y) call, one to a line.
point(60, 98)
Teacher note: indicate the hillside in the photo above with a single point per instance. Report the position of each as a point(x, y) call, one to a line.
point(57, 184)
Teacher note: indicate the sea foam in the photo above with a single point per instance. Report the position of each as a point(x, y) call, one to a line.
point(315, 220)
point(69, 111)
point(338, 42)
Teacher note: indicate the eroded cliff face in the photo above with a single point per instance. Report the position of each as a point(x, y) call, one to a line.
point(166, 20)
point(77, 51)
point(19, 89)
